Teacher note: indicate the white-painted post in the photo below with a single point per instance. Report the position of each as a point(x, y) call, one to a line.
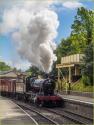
point(75, 70)
point(69, 80)
point(69, 74)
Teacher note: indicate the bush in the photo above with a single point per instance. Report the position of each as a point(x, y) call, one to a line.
point(86, 80)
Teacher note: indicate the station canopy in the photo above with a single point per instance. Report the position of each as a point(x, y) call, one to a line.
point(8, 74)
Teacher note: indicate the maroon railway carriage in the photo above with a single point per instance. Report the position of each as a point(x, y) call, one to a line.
point(7, 86)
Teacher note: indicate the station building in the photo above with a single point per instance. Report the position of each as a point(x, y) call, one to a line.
point(11, 78)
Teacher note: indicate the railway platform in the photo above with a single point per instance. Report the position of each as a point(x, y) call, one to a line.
point(12, 114)
point(80, 99)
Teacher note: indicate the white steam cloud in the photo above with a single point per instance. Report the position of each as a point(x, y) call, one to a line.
point(33, 27)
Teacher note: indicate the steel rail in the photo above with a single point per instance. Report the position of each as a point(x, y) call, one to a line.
point(36, 123)
point(71, 116)
point(35, 111)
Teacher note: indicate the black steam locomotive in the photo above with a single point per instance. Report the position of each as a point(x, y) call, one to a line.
point(42, 92)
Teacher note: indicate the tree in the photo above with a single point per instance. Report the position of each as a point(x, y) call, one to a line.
point(4, 66)
point(64, 48)
point(87, 69)
point(83, 35)
point(83, 27)
point(34, 71)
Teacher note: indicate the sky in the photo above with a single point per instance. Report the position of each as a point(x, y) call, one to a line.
point(65, 10)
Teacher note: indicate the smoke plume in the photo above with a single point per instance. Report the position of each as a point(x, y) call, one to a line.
point(33, 27)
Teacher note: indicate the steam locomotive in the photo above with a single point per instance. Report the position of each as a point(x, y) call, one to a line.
point(41, 92)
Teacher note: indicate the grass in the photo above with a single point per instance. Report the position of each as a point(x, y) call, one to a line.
point(79, 86)
point(82, 88)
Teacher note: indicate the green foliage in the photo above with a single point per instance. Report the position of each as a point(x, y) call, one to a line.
point(85, 80)
point(83, 25)
point(4, 66)
point(64, 48)
point(87, 69)
point(34, 71)
point(78, 43)
point(81, 87)
point(83, 38)
point(82, 29)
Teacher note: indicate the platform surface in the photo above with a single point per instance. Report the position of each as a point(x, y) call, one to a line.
point(11, 114)
point(82, 99)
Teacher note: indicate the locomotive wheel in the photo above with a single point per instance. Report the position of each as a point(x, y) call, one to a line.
point(39, 103)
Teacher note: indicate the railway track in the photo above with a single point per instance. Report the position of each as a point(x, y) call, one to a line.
point(78, 119)
point(50, 114)
point(55, 116)
point(39, 117)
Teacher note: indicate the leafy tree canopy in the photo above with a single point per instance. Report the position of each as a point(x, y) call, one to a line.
point(83, 28)
point(4, 66)
point(87, 69)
